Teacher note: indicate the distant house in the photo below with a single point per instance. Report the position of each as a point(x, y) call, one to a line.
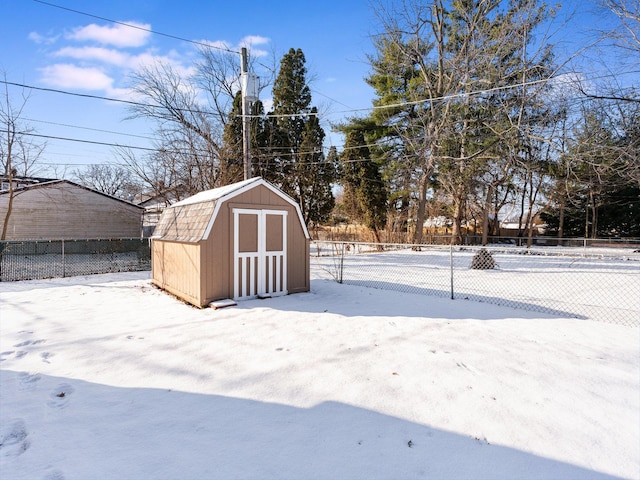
point(510, 226)
point(153, 207)
point(61, 209)
point(21, 181)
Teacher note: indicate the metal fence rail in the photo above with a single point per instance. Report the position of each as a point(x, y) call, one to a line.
point(33, 260)
point(597, 284)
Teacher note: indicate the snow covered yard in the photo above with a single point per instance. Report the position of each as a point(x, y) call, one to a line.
point(107, 377)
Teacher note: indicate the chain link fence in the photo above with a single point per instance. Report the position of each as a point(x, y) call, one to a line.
point(33, 260)
point(595, 284)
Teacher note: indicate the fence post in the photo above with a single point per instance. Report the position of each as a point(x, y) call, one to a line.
point(451, 267)
point(64, 265)
point(340, 269)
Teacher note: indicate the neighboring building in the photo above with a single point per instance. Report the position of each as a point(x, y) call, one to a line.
point(244, 240)
point(64, 210)
point(510, 226)
point(19, 182)
point(153, 207)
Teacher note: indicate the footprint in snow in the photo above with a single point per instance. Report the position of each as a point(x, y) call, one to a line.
point(462, 365)
point(59, 397)
point(28, 380)
point(54, 475)
point(29, 342)
point(6, 354)
point(46, 356)
point(13, 438)
point(19, 354)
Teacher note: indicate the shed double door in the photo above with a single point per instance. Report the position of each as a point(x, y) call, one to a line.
point(259, 253)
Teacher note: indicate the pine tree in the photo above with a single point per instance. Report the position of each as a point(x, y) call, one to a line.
point(292, 154)
point(365, 194)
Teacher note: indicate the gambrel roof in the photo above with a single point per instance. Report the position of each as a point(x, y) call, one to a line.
point(190, 220)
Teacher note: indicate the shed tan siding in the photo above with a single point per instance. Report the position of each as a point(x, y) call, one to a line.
point(201, 271)
point(67, 211)
point(176, 268)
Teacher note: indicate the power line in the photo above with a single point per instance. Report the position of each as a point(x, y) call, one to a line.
point(88, 128)
point(284, 115)
point(97, 97)
point(254, 116)
point(92, 142)
point(164, 149)
point(146, 105)
point(137, 27)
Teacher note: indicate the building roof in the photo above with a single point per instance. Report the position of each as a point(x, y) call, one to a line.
point(50, 183)
point(220, 192)
point(25, 180)
point(190, 220)
point(185, 223)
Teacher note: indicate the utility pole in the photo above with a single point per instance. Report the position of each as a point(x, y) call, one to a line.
point(249, 96)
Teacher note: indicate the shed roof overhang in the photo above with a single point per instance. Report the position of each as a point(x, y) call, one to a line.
point(192, 219)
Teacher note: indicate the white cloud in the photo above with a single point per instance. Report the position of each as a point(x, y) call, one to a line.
point(104, 55)
point(217, 44)
point(73, 77)
point(148, 59)
point(118, 35)
point(35, 37)
point(250, 43)
point(250, 40)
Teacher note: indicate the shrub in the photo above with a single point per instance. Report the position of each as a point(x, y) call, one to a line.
point(483, 260)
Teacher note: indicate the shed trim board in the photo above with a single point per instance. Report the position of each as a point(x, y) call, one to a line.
point(243, 187)
point(262, 270)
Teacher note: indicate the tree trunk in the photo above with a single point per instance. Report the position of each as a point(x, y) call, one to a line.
point(561, 220)
point(594, 218)
point(9, 173)
point(5, 224)
point(586, 221)
point(422, 202)
point(485, 216)
point(456, 234)
point(530, 228)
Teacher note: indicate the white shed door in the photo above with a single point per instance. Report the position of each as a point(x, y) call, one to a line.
point(259, 253)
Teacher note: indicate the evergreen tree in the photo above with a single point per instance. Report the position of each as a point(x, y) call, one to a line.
point(292, 154)
point(436, 66)
point(597, 192)
point(365, 194)
point(232, 155)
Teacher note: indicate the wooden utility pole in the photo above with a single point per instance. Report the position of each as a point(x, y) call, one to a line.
point(249, 96)
point(244, 71)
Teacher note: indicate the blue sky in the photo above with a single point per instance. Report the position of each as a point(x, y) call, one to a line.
point(50, 47)
point(60, 49)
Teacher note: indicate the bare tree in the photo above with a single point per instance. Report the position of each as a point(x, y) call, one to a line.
point(18, 153)
point(628, 34)
point(191, 110)
point(113, 180)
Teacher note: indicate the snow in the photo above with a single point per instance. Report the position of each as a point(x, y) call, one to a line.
point(597, 284)
point(107, 377)
point(216, 193)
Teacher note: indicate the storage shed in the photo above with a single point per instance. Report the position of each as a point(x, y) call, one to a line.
point(241, 241)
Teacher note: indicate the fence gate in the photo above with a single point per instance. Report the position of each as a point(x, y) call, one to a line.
point(259, 253)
